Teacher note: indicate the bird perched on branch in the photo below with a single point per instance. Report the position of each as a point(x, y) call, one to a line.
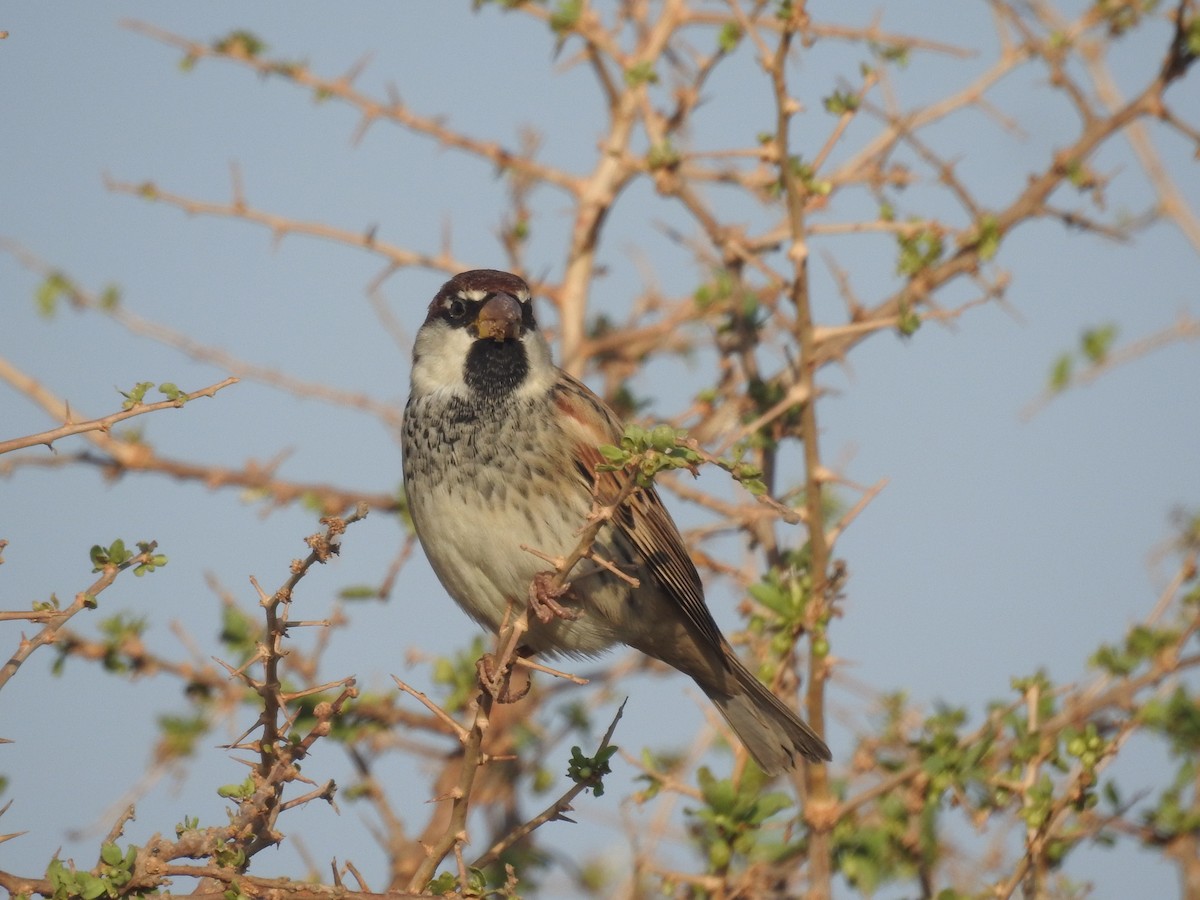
point(501, 456)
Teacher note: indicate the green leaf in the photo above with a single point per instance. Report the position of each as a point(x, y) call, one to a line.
point(62, 878)
point(359, 592)
point(179, 735)
point(135, 396)
point(988, 237)
point(662, 437)
point(919, 249)
point(663, 156)
point(1096, 343)
point(237, 791)
point(110, 299)
point(55, 286)
point(841, 102)
point(90, 887)
point(566, 16)
point(241, 44)
point(1060, 373)
point(729, 37)
point(613, 454)
point(111, 854)
point(642, 73)
point(891, 53)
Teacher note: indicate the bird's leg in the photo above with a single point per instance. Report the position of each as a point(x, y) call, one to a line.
point(543, 598)
point(495, 670)
point(495, 679)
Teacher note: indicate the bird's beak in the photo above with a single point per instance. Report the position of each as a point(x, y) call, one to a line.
point(499, 319)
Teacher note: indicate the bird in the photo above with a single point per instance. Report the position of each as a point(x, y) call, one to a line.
point(501, 454)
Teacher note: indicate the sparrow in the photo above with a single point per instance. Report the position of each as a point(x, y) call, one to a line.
point(501, 449)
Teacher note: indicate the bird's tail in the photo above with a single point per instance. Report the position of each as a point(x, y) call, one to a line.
point(771, 732)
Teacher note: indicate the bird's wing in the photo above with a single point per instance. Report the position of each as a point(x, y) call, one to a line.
point(642, 519)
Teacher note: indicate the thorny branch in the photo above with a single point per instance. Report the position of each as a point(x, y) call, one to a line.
point(655, 69)
point(56, 619)
point(27, 385)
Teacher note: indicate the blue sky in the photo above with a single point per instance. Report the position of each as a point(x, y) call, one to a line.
point(999, 545)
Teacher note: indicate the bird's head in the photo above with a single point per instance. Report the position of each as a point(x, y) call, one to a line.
point(480, 339)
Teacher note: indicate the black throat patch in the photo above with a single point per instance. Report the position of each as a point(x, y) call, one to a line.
point(495, 368)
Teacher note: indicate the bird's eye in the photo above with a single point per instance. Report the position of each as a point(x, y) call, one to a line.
point(456, 310)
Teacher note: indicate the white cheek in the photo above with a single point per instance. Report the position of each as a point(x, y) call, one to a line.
point(440, 352)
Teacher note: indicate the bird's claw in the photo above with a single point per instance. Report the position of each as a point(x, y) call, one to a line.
point(543, 599)
point(496, 680)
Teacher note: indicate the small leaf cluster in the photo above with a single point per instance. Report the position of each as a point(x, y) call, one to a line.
point(477, 885)
point(654, 762)
point(890, 53)
point(1087, 745)
point(1176, 813)
point(767, 394)
point(986, 237)
point(359, 716)
point(565, 16)
point(950, 762)
point(1123, 15)
point(1142, 644)
point(805, 175)
point(1095, 344)
point(729, 37)
point(112, 874)
point(910, 320)
point(1081, 176)
point(717, 290)
point(1176, 717)
point(783, 596)
point(179, 735)
point(886, 845)
point(117, 630)
point(648, 452)
point(51, 605)
point(239, 633)
point(920, 248)
point(355, 592)
point(1029, 741)
point(663, 156)
point(240, 44)
point(590, 770)
point(136, 396)
point(241, 791)
point(641, 73)
point(189, 823)
point(749, 475)
point(841, 102)
point(730, 822)
point(117, 554)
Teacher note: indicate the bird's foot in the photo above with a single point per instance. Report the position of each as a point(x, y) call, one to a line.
point(495, 680)
point(543, 599)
